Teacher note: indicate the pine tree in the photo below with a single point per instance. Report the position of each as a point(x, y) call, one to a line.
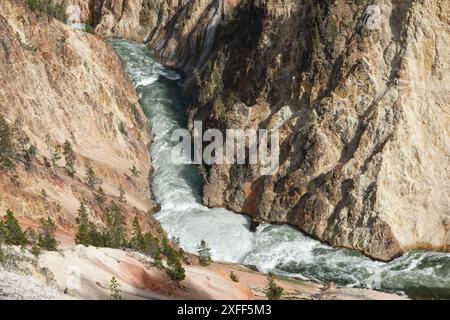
point(46, 238)
point(12, 232)
point(70, 158)
point(26, 151)
point(114, 287)
point(204, 254)
point(176, 271)
point(122, 194)
point(55, 152)
point(114, 234)
point(100, 195)
point(83, 234)
point(6, 146)
point(138, 242)
point(91, 178)
point(153, 249)
point(273, 292)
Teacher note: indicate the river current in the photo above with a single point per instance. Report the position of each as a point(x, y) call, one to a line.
point(280, 249)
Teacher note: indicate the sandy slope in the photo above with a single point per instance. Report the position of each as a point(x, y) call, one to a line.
point(86, 272)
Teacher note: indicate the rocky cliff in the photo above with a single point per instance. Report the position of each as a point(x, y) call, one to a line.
point(357, 90)
point(359, 94)
point(60, 85)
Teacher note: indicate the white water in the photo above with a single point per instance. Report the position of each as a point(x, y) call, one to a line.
point(280, 249)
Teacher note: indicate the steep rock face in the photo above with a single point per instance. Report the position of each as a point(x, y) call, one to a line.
point(362, 108)
point(60, 84)
point(363, 114)
point(179, 32)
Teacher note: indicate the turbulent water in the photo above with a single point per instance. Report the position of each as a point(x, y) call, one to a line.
point(281, 249)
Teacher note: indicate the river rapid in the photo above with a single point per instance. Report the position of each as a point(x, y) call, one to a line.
point(280, 249)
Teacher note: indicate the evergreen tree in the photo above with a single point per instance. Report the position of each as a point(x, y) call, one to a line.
point(70, 158)
point(138, 241)
point(176, 271)
point(273, 292)
point(54, 150)
point(114, 234)
point(122, 194)
point(204, 254)
point(83, 234)
point(91, 178)
point(26, 151)
point(31, 236)
point(100, 195)
point(46, 238)
point(6, 146)
point(96, 238)
point(114, 287)
point(13, 234)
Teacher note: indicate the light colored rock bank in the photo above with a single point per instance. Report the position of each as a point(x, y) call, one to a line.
point(61, 84)
point(361, 99)
point(359, 94)
point(86, 273)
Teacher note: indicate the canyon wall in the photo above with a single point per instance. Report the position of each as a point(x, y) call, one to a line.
point(58, 85)
point(357, 90)
point(360, 97)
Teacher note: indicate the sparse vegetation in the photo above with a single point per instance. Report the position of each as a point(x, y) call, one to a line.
point(135, 172)
point(57, 11)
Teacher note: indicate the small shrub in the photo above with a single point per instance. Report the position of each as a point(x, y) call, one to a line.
point(89, 29)
point(114, 288)
point(135, 172)
point(36, 251)
point(234, 277)
point(123, 129)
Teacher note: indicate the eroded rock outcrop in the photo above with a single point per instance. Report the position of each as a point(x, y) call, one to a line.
point(179, 32)
point(357, 89)
point(363, 115)
point(58, 84)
